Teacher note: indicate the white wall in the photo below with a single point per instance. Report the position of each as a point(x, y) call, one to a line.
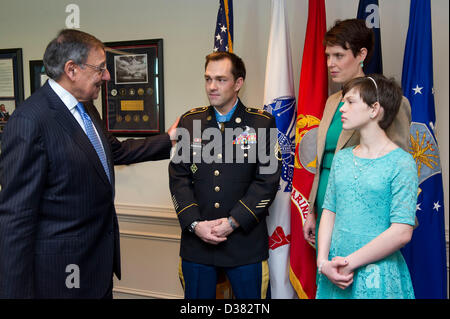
point(187, 27)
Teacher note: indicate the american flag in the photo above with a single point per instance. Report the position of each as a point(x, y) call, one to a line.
point(223, 36)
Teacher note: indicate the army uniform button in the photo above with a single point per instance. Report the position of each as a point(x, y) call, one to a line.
point(217, 189)
point(245, 154)
point(216, 205)
point(219, 156)
point(216, 173)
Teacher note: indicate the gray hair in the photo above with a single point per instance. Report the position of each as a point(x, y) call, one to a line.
point(70, 44)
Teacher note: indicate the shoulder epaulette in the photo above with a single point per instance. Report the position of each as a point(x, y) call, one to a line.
point(196, 110)
point(259, 112)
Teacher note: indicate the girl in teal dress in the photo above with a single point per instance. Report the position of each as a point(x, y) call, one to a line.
point(370, 202)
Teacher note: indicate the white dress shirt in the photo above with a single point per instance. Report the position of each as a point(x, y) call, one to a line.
point(71, 103)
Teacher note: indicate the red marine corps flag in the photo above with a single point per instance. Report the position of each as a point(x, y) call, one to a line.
point(312, 96)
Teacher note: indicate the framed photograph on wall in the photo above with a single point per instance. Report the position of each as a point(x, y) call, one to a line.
point(11, 83)
point(133, 99)
point(38, 77)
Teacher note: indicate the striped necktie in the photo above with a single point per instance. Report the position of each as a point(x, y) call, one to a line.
point(90, 132)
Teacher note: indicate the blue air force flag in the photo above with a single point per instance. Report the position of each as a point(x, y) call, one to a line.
point(223, 37)
point(426, 253)
point(369, 11)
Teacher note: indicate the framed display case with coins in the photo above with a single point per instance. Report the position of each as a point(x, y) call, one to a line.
point(133, 99)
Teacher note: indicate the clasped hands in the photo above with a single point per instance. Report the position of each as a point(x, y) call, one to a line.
point(214, 231)
point(338, 271)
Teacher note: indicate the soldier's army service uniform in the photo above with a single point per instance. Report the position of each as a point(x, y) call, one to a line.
point(207, 191)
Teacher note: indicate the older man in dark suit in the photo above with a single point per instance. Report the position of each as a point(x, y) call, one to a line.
point(59, 235)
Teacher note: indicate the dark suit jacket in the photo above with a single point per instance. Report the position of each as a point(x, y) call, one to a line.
point(56, 203)
point(208, 191)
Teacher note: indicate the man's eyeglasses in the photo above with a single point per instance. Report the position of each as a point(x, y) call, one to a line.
point(100, 69)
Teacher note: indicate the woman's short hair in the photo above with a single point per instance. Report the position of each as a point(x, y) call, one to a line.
point(69, 44)
point(237, 65)
point(386, 92)
point(351, 34)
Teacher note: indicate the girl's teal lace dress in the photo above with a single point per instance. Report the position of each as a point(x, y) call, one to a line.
point(367, 196)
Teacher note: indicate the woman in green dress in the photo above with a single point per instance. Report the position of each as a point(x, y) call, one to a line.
point(370, 201)
point(348, 45)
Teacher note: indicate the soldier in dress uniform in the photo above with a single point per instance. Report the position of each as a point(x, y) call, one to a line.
point(222, 190)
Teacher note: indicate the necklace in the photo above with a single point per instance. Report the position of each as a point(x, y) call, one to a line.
point(358, 167)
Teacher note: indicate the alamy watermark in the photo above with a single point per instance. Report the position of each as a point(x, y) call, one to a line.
point(73, 279)
point(73, 19)
point(373, 277)
point(238, 146)
point(373, 19)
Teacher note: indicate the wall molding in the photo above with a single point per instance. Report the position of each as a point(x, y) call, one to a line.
point(120, 292)
point(150, 236)
point(146, 214)
point(153, 227)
